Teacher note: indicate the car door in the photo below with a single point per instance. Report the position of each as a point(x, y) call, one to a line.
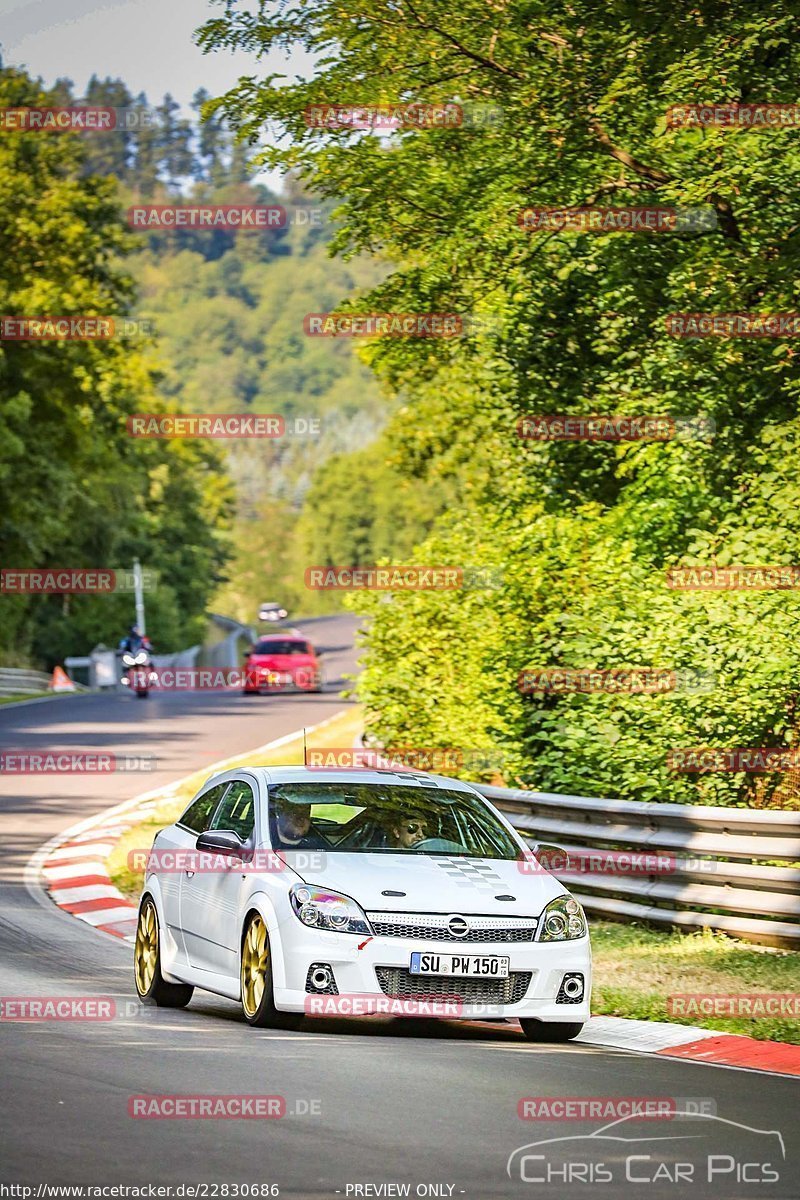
point(181, 837)
point(210, 899)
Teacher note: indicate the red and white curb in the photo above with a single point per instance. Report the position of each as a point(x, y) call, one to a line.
point(692, 1042)
point(73, 868)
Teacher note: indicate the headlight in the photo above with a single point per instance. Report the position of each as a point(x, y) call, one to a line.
point(141, 659)
point(129, 660)
point(562, 920)
point(322, 909)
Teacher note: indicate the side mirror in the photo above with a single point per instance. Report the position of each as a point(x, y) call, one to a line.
point(222, 841)
point(552, 857)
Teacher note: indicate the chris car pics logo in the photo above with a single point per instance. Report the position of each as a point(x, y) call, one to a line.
point(632, 1153)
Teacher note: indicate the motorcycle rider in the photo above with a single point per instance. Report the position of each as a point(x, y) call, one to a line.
point(135, 641)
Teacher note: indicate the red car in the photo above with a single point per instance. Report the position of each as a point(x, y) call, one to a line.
point(279, 662)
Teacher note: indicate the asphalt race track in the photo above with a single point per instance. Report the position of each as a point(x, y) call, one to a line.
point(369, 1102)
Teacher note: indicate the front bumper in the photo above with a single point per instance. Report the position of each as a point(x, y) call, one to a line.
point(355, 961)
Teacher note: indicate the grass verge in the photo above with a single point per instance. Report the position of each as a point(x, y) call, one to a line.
point(636, 969)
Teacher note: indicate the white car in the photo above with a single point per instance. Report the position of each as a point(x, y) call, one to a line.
point(280, 885)
point(272, 612)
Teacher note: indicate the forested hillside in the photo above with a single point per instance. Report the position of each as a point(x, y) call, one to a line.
point(215, 521)
point(75, 490)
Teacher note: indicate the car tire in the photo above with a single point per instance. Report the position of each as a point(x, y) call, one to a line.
point(550, 1031)
point(151, 986)
point(255, 974)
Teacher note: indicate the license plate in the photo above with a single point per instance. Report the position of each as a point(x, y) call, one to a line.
point(481, 966)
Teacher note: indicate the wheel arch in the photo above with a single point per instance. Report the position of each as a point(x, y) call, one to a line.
point(259, 904)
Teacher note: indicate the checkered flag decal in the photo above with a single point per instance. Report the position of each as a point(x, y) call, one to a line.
point(471, 873)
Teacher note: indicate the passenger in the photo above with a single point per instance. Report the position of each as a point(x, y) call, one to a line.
point(295, 827)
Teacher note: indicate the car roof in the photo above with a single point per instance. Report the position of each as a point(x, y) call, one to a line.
point(286, 635)
point(411, 779)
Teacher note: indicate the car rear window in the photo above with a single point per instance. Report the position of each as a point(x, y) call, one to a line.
point(273, 646)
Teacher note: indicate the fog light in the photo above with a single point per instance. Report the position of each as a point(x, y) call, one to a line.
point(572, 989)
point(320, 979)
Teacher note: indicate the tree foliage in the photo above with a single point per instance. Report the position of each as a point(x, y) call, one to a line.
point(583, 530)
point(75, 489)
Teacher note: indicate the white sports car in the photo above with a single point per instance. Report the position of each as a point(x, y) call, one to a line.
point(297, 890)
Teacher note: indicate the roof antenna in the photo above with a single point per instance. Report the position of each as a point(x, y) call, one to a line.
point(305, 748)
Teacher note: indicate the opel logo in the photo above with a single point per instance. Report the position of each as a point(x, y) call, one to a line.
point(458, 927)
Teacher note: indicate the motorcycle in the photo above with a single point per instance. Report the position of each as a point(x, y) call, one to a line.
point(140, 675)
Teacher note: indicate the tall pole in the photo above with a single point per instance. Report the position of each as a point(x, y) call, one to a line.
point(139, 595)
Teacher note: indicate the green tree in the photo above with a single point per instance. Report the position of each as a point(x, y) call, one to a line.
point(581, 94)
point(75, 489)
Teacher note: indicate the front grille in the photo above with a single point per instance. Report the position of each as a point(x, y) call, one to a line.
point(397, 981)
point(432, 927)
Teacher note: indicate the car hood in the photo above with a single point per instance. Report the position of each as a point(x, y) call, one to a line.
point(432, 883)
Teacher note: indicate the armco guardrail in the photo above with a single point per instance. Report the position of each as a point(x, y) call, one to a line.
point(21, 682)
point(227, 653)
point(715, 877)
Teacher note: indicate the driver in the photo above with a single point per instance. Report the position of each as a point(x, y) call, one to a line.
point(406, 833)
point(295, 828)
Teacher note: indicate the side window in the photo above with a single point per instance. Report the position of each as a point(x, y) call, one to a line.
point(237, 811)
point(199, 813)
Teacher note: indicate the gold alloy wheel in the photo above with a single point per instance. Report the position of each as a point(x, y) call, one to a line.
point(146, 952)
point(255, 960)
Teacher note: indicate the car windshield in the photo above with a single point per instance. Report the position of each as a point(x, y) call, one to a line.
point(271, 646)
point(373, 818)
